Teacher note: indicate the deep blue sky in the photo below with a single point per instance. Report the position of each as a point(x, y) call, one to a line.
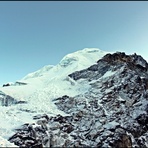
point(34, 34)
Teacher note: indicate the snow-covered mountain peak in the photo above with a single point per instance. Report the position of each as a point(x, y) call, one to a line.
point(91, 50)
point(51, 81)
point(71, 62)
point(82, 58)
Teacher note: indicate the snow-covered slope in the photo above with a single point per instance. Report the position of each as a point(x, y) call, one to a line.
point(43, 86)
point(52, 81)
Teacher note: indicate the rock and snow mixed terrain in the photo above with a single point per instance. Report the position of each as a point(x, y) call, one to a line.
point(91, 98)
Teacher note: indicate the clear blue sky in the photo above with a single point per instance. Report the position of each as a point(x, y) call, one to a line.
point(34, 34)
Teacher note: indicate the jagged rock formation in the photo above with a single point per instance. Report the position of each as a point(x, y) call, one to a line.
point(113, 113)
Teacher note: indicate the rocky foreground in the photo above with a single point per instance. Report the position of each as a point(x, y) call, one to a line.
point(112, 113)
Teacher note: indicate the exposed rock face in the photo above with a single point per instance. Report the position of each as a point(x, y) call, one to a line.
point(113, 62)
point(20, 83)
point(6, 100)
point(4, 85)
point(113, 113)
point(120, 57)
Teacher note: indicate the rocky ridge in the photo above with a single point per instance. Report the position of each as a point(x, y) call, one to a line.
point(113, 113)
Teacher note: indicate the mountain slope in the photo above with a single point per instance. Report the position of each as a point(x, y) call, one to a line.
point(111, 112)
point(34, 93)
point(52, 81)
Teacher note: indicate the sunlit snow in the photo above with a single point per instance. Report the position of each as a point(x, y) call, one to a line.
point(42, 87)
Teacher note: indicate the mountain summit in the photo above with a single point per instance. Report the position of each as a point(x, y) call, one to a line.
point(91, 98)
point(69, 63)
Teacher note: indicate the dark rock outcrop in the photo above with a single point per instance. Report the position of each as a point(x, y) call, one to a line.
point(4, 85)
